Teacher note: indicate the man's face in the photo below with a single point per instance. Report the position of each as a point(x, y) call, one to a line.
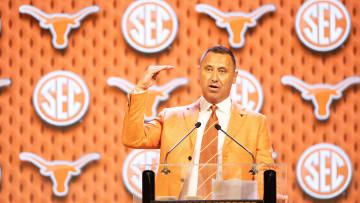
point(216, 76)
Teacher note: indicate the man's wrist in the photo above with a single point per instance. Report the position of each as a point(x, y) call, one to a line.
point(139, 90)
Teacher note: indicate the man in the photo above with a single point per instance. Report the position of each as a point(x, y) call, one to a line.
point(217, 74)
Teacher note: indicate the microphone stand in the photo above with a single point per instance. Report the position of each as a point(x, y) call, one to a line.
point(253, 170)
point(165, 170)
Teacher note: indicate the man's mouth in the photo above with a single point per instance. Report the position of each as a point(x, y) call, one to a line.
point(213, 87)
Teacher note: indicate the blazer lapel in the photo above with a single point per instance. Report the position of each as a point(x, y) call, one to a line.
point(191, 116)
point(235, 122)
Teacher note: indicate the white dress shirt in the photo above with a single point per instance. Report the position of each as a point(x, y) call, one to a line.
point(223, 114)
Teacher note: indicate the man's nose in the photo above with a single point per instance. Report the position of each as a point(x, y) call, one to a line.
point(214, 76)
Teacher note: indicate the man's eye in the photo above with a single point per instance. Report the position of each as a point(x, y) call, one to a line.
point(222, 71)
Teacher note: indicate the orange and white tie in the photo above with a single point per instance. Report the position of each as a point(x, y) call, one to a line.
point(208, 155)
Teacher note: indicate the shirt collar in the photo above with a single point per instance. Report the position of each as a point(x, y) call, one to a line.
point(224, 106)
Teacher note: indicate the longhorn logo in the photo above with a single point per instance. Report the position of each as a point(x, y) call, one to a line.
point(321, 95)
point(156, 93)
point(59, 24)
point(236, 23)
point(5, 82)
point(60, 172)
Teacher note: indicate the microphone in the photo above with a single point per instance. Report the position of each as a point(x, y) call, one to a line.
point(165, 170)
point(253, 170)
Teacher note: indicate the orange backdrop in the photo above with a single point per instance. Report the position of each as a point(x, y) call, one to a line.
point(97, 50)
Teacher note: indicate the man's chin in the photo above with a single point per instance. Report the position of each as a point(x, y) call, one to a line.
point(213, 90)
point(213, 97)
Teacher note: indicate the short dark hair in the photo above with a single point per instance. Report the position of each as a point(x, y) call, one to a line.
point(219, 50)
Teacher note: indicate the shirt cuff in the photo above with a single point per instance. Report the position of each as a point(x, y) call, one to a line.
point(138, 92)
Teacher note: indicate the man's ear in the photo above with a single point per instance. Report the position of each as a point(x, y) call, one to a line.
point(235, 76)
point(198, 68)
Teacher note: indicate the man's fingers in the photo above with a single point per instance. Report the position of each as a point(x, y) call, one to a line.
point(162, 66)
point(158, 68)
point(168, 67)
point(155, 75)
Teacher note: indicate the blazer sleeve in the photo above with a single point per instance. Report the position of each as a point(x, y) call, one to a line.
point(136, 133)
point(263, 154)
point(264, 149)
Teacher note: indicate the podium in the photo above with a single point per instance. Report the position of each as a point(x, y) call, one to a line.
point(233, 183)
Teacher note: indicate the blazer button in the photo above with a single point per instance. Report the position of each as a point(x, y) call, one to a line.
point(189, 158)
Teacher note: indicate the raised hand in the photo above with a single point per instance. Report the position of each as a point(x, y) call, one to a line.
point(149, 77)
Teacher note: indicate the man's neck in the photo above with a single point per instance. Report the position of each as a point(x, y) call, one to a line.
point(224, 105)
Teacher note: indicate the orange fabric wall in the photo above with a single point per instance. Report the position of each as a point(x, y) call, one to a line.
point(97, 50)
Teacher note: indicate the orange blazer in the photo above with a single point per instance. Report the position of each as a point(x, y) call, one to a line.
point(247, 127)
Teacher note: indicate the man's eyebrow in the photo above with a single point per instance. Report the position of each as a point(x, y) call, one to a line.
point(222, 68)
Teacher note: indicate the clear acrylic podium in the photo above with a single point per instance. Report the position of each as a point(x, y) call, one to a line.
point(233, 183)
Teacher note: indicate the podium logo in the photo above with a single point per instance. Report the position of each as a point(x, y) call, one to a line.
point(247, 91)
point(322, 25)
point(324, 171)
point(149, 26)
point(156, 94)
point(134, 165)
point(59, 24)
point(236, 23)
point(321, 95)
point(61, 98)
point(60, 172)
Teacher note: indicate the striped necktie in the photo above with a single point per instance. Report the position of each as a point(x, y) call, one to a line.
point(208, 155)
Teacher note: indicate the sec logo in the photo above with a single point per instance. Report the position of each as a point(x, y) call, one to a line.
point(134, 165)
point(149, 26)
point(247, 91)
point(61, 98)
point(324, 171)
point(322, 25)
